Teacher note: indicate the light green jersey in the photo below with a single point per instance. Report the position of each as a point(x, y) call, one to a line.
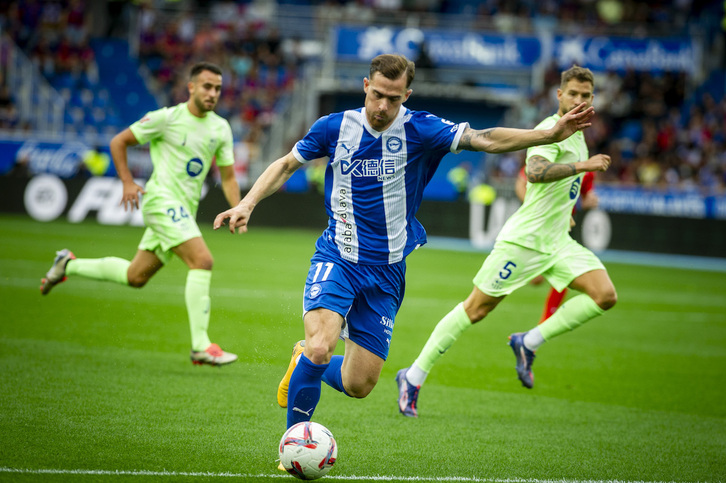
point(182, 148)
point(542, 223)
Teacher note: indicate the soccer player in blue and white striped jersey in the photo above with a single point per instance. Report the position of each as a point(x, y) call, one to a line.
point(381, 157)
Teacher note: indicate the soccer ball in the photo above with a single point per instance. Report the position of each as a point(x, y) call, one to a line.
point(308, 450)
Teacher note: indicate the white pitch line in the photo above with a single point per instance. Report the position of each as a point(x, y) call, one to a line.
point(50, 471)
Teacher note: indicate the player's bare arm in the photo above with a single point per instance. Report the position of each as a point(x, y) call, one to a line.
point(540, 170)
point(268, 183)
point(118, 147)
point(506, 139)
point(230, 187)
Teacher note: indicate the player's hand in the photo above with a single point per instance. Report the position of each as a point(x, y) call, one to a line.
point(130, 198)
point(599, 162)
point(575, 120)
point(238, 218)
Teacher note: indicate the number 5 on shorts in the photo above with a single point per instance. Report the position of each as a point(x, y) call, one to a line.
point(506, 271)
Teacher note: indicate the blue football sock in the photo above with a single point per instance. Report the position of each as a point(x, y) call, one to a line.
point(304, 391)
point(333, 376)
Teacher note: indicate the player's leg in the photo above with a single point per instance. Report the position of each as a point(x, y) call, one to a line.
point(599, 295)
point(579, 268)
point(476, 306)
point(143, 266)
point(196, 255)
point(507, 268)
point(360, 370)
point(322, 329)
point(110, 269)
point(553, 302)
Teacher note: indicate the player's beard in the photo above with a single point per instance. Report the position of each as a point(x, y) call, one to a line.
point(376, 123)
point(202, 105)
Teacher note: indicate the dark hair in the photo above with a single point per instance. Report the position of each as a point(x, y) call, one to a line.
point(582, 74)
point(393, 66)
point(202, 66)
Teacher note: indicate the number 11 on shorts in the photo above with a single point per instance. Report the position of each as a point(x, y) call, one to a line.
point(319, 266)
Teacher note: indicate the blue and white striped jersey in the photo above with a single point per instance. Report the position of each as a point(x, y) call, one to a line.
point(374, 181)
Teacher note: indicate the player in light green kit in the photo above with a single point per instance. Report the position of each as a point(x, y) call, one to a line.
point(535, 240)
point(184, 141)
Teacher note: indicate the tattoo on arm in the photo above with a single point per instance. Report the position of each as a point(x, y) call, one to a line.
point(539, 170)
point(470, 135)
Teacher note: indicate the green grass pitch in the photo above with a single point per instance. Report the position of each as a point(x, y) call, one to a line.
point(96, 384)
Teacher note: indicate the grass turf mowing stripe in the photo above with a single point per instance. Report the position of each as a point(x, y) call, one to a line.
point(193, 474)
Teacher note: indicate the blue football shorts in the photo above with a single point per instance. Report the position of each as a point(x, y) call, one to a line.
point(366, 296)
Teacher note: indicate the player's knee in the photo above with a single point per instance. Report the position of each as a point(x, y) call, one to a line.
point(477, 312)
point(137, 281)
point(318, 353)
point(204, 263)
point(607, 299)
point(360, 390)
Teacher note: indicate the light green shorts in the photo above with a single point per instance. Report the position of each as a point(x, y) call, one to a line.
point(168, 224)
point(510, 266)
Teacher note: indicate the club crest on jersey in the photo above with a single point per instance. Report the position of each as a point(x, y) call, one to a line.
point(394, 144)
point(575, 188)
point(194, 167)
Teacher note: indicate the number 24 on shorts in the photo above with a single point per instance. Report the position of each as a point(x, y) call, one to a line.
point(176, 217)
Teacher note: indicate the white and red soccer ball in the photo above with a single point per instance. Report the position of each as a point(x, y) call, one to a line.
point(308, 450)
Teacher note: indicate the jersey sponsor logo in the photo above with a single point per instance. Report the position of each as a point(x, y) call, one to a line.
point(394, 144)
point(575, 188)
point(381, 169)
point(194, 167)
point(144, 119)
point(386, 322)
point(315, 290)
point(347, 233)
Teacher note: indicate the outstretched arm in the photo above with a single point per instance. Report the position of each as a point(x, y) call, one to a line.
point(539, 170)
point(505, 139)
point(269, 181)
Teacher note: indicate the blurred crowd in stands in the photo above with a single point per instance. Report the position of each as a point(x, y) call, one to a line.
point(240, 38)
point(55, 36)
point(631, 17)
point(659, 129)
